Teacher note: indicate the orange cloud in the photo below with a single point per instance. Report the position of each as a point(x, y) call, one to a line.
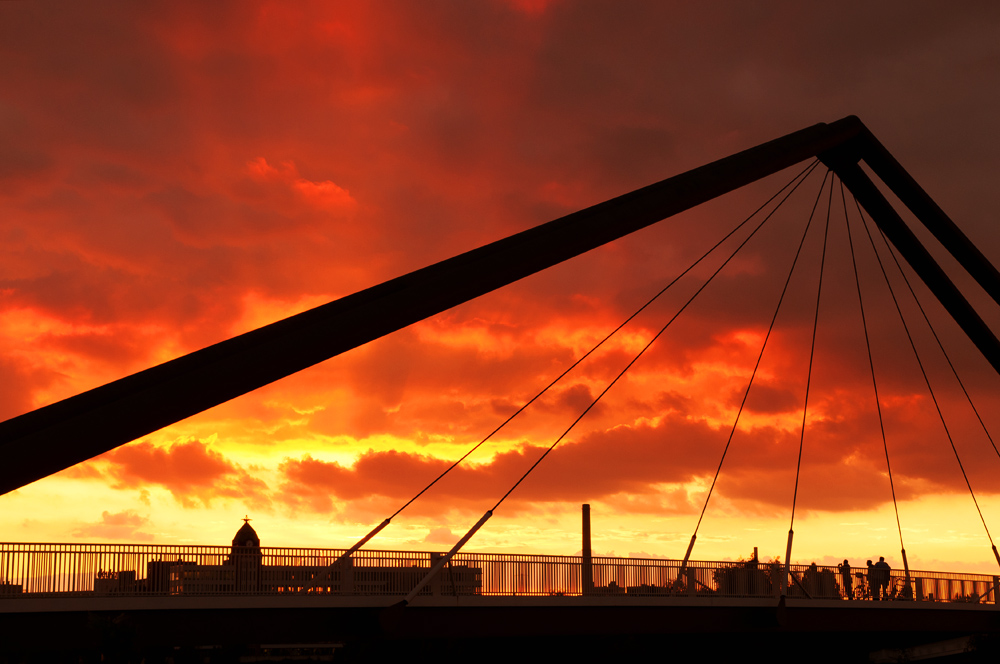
point(119, 527)
point(841, 471)
point(190, 470)
point(217, 159)
point(325, 195)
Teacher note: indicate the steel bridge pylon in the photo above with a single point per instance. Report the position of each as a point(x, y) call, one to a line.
point(54, 437)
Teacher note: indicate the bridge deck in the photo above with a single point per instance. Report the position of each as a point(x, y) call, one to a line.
point(834, 627)
point(157, 598)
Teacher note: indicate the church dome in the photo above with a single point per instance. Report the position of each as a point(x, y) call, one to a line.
point(246, 536)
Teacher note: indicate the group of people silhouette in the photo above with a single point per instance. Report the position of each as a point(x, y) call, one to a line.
point(878, 578)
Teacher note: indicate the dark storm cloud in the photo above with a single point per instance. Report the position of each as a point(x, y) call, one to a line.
point(164, 164)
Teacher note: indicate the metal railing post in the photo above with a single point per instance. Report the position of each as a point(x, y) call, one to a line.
point(435, 582)
point(347, 576)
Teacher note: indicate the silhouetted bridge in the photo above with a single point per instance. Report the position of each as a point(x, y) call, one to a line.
point(54, 575)
point(197, 595)
point(156, 596)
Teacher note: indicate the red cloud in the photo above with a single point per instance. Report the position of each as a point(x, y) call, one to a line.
point(190, 470)
point(18, 380)
point(842, 470)
point(305, 152)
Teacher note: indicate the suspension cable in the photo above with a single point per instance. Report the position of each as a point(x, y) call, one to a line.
point(812, 354)
point(489, 513)
point(805, 404)
point(796, 181)
point(753, 374)
point(943, 351)
point(923, 372)
point(871, 366)
point(642, 352)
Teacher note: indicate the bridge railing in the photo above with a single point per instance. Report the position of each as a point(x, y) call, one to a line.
point(36, 570)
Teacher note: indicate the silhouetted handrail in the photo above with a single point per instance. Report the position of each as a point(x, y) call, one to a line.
point(174, 572)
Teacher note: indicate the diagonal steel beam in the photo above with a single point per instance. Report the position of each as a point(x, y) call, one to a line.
point(928, 212)
point(62, 434)
point(910, 247)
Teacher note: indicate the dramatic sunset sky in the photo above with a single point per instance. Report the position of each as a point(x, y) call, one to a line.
point(175, 173)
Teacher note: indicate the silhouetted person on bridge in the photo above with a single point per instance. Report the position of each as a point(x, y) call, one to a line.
point(845, 579)
point(883, 571)
point(871, 581)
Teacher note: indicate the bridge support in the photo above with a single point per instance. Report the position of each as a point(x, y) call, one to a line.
point(845, 165)
point(62, 434)
point(907, 586)
point(347, 576)
point(435, 582)
point(59, 435)
point(788, 562)
point(436, 567)
point(587, 558)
